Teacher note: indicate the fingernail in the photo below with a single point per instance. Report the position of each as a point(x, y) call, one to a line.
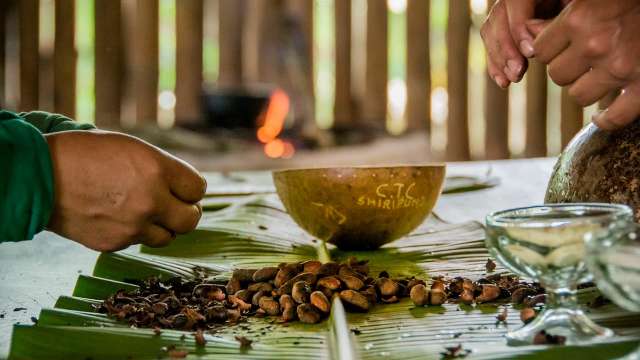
point(515, 67)
point(526, 47)
point(510, 75)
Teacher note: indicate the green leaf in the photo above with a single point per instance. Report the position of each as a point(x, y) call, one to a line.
point(256, 231)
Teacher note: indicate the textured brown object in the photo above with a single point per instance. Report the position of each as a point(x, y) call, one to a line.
point(320, 301)
point(29, 25)
point(419, 295)
point(599, 166)
point(355, 299)
point(189, 34)
point(418, 65)
point(64, 59)
point(457, 80)
point(308, 314)
point(536, 134)
point(359, 207)
point(108, 62)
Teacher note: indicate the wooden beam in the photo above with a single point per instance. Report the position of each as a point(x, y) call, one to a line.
point(4, 11)
point(570, 117)
point(260, 41)
point(374, 106)
point(418, 66)
point(108, 62)
point(342, 107)
point(231, 15)
point(64, 59)
point(146, 61)
point(29, 27)
point(457, 74)
point(496, 115)
point(536, 113)
point(302, 12)
point(189, 33)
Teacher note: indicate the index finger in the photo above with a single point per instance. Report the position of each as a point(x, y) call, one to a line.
point(551, 41)
point(184, 181)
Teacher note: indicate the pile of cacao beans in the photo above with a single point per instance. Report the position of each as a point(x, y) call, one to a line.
point(294, 291)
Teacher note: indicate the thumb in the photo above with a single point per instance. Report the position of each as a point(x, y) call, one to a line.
point(518, 13)
point(536, 26)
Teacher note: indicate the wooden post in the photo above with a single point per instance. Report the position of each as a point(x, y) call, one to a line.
point(108, 62)
point(4, 10)
point(189, 33)
point(146, 61)
point(374, 107)
point(536, 114)
point(29, 13)
point(302, 12)
point(457, 73)
point(496, 115)
point(418, 66)
point(342, 107)
point(570, 117)
point(230, 35)
point(64, 59)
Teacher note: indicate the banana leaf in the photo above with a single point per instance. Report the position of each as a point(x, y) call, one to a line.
point(254, 231)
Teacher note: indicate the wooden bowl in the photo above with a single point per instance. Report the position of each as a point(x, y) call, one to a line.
point(360, 208)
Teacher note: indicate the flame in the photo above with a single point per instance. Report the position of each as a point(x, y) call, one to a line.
point(272, 124)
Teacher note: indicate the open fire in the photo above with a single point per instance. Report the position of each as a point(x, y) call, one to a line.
point(271, 123)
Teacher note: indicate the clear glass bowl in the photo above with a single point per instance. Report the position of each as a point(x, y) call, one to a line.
point(614, 262)
point(546, 244)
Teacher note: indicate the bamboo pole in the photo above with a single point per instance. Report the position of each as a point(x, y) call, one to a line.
point(302, 12)
point(496, 115)
point(108, 62)
point(374, 106)
point(230, 35)
point(4, 9)
point(146, 61)
point(536, 114)
point(189, 34)
point(418, 66)
point(342, 108)
point(29, 14)
point(65, 57)
point(570, 119)
point(457, 74)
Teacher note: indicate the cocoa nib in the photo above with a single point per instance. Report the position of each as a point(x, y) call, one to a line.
point(244, 342)
point(455, 352)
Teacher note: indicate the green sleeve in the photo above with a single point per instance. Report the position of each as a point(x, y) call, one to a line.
point(50, 123)
point(26, 175)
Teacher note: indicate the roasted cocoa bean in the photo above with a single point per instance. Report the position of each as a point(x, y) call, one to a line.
point(300, 292)
point(284, 274)
point(245, 295)
point(390, 300)
point(261, 286)
point(355, 299)
point(244, 275)
point(370, 293)
point(518, 295)
point(387, 287)
point(351, 282)
point(419, 295)
point(527, 314)
point(255, 299)
point(233, 286)
point(320, 301)
point(308, 314)
point(265, 274)
point(269, 305)
point(288, 307)
point(329, 282)
point(345, 270)
point(311, 266)
point(328, 269)
point(466, 297)
point(217, 314)
point(489, 292)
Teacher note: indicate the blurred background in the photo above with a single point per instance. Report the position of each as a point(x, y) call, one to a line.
point(256, 84)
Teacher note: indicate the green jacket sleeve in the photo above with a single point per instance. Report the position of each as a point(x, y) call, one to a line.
point(26, 177)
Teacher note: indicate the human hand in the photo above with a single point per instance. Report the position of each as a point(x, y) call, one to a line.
point(507, 39)
point(594, 48)
point(113, 190)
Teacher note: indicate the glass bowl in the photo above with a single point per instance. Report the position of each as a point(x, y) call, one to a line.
point(614, 262)
point(546, 244)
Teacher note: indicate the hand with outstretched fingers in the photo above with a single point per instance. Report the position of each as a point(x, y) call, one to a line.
point(507, 39)
point(593, 47)
point(113, 190)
